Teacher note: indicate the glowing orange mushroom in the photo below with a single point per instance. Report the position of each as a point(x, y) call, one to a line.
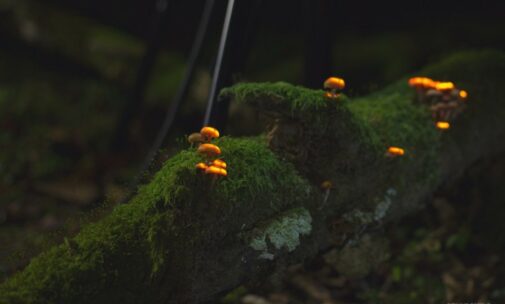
point(333, 85)
point(219, 163)
point(443, 125)
point(201, 166)
point(209, 150)
point(216, 171)
point(414, 81)
point(444, 86)
point(209, 133)
point(395, 151)
point(422, 82)
point(463, 94)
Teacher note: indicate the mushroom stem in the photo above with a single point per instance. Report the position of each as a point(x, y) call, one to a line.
point(213, 182)
point(326, 186)
point(325, 198)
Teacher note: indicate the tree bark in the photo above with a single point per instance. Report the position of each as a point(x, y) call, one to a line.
point(187, 237)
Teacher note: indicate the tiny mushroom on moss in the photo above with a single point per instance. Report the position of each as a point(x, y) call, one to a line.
point(422, 83)
point(463, 94)
point(332, 86)
point(209, 133)
point(395, 151)
point(423, 86)
point(209, 150)
point(219, 163)
point(195, 138)
point(444, 86)
point(326, 187)
point(214, 170)
point(443, 125)
point(201, 166)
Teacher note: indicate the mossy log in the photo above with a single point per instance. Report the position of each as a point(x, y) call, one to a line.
point(186, 238)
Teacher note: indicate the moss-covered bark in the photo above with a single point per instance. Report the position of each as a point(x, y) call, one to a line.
point(185, 238)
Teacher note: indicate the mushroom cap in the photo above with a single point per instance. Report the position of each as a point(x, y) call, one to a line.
point(219, 163)
point(444, 86)
point(422, 82)
point(209, 149)
point(326, 185)
point(195, 138)
point(209, 132)
point(201, 166)
point(216, 171)
point(463, 94)
point(397, 151)
point(334, 83)
point(443, 125)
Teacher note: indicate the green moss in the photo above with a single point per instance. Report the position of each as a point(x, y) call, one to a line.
point(295, 102)
point(358, 132)
point(252, 166)
point(179, 208)
point(258, 186)
point(384, 119)
point(344, 138)
point(396, 119)
point(316, 134)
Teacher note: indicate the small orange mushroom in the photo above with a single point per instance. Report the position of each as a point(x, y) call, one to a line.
point(422, 82)
point(395, 151)
point(209, 133)
point(444, 86)
point(201, 166)
point(326, 186)
point(443, 125)
point(219, 163)
point(414, 81)
point(463, 94)
point(209, 150)
point(214, 170)
point(333, 85)
point(424, 88)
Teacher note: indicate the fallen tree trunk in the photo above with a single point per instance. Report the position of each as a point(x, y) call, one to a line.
point(185, 238)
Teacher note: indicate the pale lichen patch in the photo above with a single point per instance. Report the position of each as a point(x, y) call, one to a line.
point(282, 232)
point(383, 207)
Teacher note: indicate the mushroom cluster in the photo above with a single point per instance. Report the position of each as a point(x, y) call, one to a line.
point(444, 99)
point(333, 86)
point(212, 164)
